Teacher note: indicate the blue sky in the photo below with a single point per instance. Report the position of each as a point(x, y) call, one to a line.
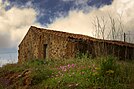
point(49, 9)
point(75, 16)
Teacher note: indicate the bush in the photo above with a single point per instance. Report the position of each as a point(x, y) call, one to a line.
point(40, 74)
point(40, 71)
point(34, 63)
point(109, 66)
point(109, 73)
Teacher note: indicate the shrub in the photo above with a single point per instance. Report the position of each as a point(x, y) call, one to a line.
point(109, 73)
point(40, 74)
point(34, 63)
point(109, 66)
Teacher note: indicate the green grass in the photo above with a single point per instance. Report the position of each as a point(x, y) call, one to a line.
point(79, 73)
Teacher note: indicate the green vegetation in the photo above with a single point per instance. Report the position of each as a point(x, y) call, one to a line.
point(80, 73)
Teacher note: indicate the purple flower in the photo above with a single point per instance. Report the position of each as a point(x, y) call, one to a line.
point(73, 65)
point(65, 69)
point(68, 65)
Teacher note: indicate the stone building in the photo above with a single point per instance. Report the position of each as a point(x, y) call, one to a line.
point(42, 43)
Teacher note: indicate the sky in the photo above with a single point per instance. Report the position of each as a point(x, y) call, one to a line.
point(74, 16)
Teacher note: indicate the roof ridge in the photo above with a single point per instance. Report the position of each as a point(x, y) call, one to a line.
point(81, 36)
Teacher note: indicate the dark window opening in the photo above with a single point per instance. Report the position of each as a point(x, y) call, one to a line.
point(45, 51)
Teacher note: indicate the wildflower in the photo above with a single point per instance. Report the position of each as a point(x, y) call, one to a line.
point(65, 69)
point(97, 68)
point(98, 78)
point(73, 65)
point(70, 75)
point(83, 67)
point(93, 65)
point(62, 75)
point(56, 75)
point(70, 85)
point(73, 73)
point(82, 72)
point(69, 65)
point(59, 72)
point(76, 84)
point(93, 70)
point(95, 74)
point(89, 67)
point(110, 71)
point(60, 67)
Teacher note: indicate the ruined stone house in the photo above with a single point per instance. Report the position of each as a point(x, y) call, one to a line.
point(42, 43)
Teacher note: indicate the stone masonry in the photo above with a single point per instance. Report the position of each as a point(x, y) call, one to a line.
point(42, 43)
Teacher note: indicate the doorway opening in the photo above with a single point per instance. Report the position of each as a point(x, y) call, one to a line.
point(45, 51)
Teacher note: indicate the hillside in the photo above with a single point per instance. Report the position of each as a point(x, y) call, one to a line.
point(79, 73)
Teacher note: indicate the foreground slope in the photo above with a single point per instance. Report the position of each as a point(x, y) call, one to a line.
point(79, 73)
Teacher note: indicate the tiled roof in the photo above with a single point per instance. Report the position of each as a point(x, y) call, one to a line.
point(84, 37)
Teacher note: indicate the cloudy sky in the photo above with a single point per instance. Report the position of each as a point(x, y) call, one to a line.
point(75, 16)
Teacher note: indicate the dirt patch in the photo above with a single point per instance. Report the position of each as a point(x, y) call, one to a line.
point(21, 79)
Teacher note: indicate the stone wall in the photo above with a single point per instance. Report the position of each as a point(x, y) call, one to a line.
point(32, 46)
point(25, 48)
point(61, 45)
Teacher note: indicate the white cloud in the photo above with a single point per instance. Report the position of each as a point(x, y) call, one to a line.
point(74, 23)
point(14, 23)
point(80, 22)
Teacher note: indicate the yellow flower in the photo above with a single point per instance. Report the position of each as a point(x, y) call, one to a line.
point(95, 73)
point(110, 71)
point(97, 68)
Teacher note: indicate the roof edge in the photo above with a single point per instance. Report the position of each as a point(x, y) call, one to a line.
point(26, 34)
point(108, 41)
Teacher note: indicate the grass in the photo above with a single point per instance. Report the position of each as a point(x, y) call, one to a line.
point(79, 73)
